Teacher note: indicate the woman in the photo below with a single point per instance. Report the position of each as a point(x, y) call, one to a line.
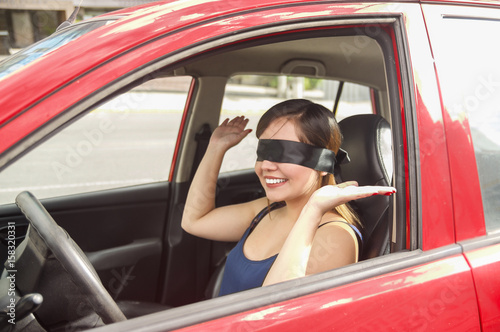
point(303, 225)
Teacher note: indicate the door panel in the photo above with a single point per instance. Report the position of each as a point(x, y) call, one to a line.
point(120, 230)
point(432, 297)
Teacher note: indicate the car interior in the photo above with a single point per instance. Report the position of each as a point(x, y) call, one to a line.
point(367, 137)
point(132, 235)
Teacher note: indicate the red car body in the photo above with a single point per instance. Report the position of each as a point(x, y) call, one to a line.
point(446, 281)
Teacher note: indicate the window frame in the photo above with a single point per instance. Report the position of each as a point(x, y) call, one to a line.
point(172, 62)
point(256, 298)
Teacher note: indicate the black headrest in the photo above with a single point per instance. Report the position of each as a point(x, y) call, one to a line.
point(368, 141)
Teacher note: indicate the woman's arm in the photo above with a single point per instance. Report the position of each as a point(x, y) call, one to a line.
point(307, 249)
point(200, 216)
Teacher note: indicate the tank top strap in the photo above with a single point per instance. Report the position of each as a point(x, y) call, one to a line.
point(263, 213)
point(359, 236)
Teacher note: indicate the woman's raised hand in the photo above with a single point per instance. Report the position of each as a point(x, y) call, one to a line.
point(230, 132)
point(328, 197)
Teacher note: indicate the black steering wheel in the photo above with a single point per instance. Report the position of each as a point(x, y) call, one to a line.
point(71, 257)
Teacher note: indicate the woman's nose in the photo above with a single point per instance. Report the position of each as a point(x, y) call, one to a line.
point(266, 164)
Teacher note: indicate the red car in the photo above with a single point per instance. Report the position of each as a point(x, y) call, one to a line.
point(106, 120)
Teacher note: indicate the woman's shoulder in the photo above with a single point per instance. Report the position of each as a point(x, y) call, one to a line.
point(340, 226)
point(334, 223)
point(258, 204)
point(335, 245)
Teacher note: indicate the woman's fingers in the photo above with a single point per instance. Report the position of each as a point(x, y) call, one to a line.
point(347, 184)
point(239, 121)
point(353, 187)
point(327, 197)
point(355, 192)
point(234, 125)
point(230, 132)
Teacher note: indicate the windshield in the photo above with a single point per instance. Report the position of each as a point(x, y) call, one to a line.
point(49, 44)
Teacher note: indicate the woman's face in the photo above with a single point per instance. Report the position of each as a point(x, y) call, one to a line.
point(283, 181)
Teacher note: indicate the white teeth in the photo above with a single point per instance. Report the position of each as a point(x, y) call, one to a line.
point(274, 181)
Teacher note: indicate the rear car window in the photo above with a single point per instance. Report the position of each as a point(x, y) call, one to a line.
point(252, 95)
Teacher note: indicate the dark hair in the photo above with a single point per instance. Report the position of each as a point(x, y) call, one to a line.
point(315, 125)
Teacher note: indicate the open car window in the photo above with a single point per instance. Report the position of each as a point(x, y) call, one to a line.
point(250, 87)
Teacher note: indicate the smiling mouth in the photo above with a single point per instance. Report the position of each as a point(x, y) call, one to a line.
point(275, 181)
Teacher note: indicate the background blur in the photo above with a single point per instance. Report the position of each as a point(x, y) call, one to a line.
point(23, 22)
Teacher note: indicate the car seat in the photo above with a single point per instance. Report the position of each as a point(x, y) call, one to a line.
point(368, 141)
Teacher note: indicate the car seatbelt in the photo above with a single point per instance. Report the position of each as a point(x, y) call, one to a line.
point(337, 97)
point(202, 138)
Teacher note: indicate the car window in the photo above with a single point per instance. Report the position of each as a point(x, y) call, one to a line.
point(470, 81)
point(49, 44)
point(252, 95)
point(128, 140)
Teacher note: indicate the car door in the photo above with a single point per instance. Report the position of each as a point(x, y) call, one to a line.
point(425, 283)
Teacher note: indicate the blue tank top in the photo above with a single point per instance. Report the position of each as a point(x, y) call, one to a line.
point(241, 273)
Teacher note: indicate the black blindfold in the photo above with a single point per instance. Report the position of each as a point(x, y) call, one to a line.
point(298, 153)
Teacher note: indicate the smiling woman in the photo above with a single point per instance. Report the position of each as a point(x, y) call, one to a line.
point(285, 240)
point(148, 163)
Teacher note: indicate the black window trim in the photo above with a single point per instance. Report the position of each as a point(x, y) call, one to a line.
point(412, 147)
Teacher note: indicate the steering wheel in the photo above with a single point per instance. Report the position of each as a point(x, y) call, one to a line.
point(71, 257)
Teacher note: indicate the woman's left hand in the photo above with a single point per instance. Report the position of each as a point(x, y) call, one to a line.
point(328, 197)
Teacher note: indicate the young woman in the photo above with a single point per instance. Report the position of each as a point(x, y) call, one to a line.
point(303, 225)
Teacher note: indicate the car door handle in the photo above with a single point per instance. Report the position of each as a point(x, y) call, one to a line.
point(126, 255)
